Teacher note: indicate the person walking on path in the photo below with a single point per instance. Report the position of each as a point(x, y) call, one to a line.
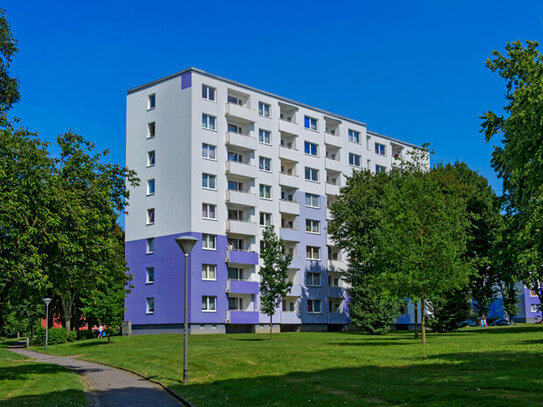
point(100, 331)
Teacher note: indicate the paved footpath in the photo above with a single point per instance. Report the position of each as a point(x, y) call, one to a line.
point(107, 386)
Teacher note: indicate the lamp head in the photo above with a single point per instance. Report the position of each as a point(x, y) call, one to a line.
point(186, 243)
point(47, 301)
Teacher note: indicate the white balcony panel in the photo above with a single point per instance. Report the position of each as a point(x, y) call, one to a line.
point(242, 228)
point(289, 207)
point(241, 140)
point(241, 198)
point(288, 127)
point(241, 112)
point(288, 154)
point(332, 140)
point(289, 181)
point(337, 265)
point(241, 169)
point(331, 189)
point(332, 164)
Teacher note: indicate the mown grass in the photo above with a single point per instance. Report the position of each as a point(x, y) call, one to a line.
point(27, 383)
point(499, 366)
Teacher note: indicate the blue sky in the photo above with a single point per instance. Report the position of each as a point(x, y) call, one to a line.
point(410, 70)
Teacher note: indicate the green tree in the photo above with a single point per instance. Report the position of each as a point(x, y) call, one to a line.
point(9, 88)
point(274, 282)
point(518, 160)
point(449, 310)
point(89, 194)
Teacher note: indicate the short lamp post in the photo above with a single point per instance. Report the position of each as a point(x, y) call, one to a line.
point(47, 301)
point(186, 243)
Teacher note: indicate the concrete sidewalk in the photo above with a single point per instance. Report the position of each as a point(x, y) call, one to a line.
point(109, 387)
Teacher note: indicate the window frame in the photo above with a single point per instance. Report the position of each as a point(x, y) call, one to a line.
point(266, 187)
point(353, 158)
point(149, 271)
point(309, 151)
point(313, 302)
point(261, 112)
point(207, 88)
point(267, 215)
point(208, 302)
point(310, 277)
point(311, 172)
point(261, 139)
point(309, 121)
point(262, 161)
point(151, 215)
point(151, 101)
point(207, 148)
point(380, 169)
point(206, 239)
point(378, 149)
point(206, 270)
point(209, 177)
point(208, 207)
point(312, 196)
point(149, 305)
point(150, 245)
point(352, 134)
point(151, 187)
point(151, 130)
point(311, 248)
point(207, 122)
point(151, 154)
point(311, 223)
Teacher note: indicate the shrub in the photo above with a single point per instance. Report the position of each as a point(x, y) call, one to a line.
point(86, 334)
point(56, 336)
point(72, 336)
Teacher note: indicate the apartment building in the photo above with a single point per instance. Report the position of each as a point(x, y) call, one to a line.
point(219, 161)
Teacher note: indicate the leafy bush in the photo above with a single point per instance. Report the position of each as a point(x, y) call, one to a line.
point(72, 336)
point(56, 336)
point(86, 334)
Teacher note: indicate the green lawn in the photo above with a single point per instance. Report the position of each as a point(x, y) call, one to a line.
point(26, 383)
point(499, 366)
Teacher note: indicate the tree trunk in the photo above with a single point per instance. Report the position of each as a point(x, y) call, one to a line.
point(416, 320)
point(422, 319)
point(67, 304)
point(271, 326)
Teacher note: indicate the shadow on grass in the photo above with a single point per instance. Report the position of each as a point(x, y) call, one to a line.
point(72, 398)
point(506, 379)
point(249, 339)
point(22, 371)
point(375, 343)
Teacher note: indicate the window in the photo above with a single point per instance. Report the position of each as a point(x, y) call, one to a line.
point(533, 308)
point(264, 163)
point(368, 138)
point(150, 245)
point(354, 136)
point(288, 306)
point(533, 293)
point(312, 226)
point(333, 281)
point(208, 303)
point(209, 242)
point(237, 157)
point(334, 306)
point(150, 306)
point(234, 128)
point(263, 109)
point(312, 200)
point(151, 130)
point(265, 219)
point(313, 279)
point(235, 303)
point(235, 244)
point(314, 306)
point(234, 99)
point(149, 275)
point(150, 187)
point(311, 174)
point(208, 93)
point(151, 101)
point(209, 272)
point(265, 191)
point(264, 136)
point(208, 181)
point(208, 211)
point(310, 123)
point(150, 158)
point(235, 273)
point(354, 160)
point(208, 151)
point(234, 186)
point(379, 149)
point(379, 169)
point(235, 214)
point(311, 148)
point(208, 121)
point(312, 253)
point(150, 216)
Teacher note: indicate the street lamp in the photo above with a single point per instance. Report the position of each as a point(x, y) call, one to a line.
point(47, 301)
point(186, 243)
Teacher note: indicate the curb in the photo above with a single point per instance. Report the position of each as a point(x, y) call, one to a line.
point(175, 395)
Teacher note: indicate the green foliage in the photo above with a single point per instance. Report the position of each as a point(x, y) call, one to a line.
point(86, 334)
point(9, 88)
point(55, 336)
point(449, 310)
point(371, 308)
point(72, 336)
point(274, 283)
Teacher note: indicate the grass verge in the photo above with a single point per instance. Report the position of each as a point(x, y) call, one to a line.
point(495, 367)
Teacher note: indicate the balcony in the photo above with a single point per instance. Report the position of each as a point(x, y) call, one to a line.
point(290, 318)
point(295, 291)
point(241, 257)
point(332, 140)
point(241, 169)
point(241, 228)
point(241, 140)
point(335, 292)
point(241, 287)
point(330, 241)
point(292, 181)
point(288, 127)
point(290, 235)
point(337, 318)
point(337, 265)
point(328, 214)
point(331, 189)
point(241, 198)
point(241, 317)
point(241, 112)
point(290, 154)
point(334, 165)
point(290, 207)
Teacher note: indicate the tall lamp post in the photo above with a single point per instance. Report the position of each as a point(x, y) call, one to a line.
point(186, 243)
point(47, 301)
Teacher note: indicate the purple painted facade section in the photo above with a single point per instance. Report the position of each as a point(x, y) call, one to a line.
point(239, 257)
point(530, 302)
point(244, 287)
point(243, 317)
point(186, 80)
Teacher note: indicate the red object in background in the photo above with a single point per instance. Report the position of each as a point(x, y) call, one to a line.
point(58, 324)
